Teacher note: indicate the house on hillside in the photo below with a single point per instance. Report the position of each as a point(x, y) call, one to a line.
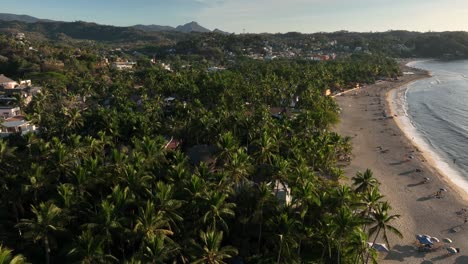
point(9, 107)
point(24, 90)
point(16, 125)
point(282, 192)
point(7, 83)
point(120, 65)
point(20, 36)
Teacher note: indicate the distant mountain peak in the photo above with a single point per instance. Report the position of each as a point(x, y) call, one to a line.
point(192, 27)
point(217, 30)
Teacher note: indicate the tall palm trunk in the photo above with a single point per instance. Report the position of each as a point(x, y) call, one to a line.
point(260, 230)
point(375, 239)
point(47, 249)
point(279, 252)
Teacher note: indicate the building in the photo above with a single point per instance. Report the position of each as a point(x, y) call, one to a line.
point(7, 83)
point(9, 107)
point(24, 89)
point(11, 120)
point(120, 65)
point(20, 36)
point(16, 125)
point(282, 192)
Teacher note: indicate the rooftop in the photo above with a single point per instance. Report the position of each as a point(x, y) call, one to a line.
point(4, 79)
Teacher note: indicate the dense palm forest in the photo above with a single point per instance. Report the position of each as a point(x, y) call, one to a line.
point(186, 166)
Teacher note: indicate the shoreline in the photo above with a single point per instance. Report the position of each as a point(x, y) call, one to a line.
point(396, 98)
point(382, 146)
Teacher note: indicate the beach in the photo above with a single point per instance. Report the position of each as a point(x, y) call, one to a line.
point(382, 141)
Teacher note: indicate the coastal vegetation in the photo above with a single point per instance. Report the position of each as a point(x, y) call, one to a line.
point(186, 165)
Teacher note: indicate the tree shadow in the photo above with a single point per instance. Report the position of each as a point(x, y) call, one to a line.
point(461, 260)
point(398, 162)
point(407, 172)
point(427, 262)
point(442, 257)
point(416, 184)
point(400, 252)
point(425, 198)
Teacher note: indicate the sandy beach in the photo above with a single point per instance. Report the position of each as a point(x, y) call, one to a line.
point(401, 164)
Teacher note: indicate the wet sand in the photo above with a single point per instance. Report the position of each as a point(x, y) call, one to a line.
point(380, 145)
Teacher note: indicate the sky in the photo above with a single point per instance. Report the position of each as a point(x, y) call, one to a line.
point(255, 16)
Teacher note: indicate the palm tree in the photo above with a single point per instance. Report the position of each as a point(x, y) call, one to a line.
point(266, 148)
point(370, 201)
point(341, 196)
point(305, 197)
point(167, 205)
point(264, 195)
point(210, 251)
point(382, 223)
point(159, 250)
point(365, 181)
point(152, 223)
point(286, 228)
point(344, 223)
point(6, 151)
point(38, 180)
point(239, 167)
point(218, 209)
point(48, 219)
point(227, 146)
point(7, 258)
point(89, 248)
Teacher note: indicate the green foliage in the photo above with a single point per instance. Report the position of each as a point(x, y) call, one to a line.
point(120, 172)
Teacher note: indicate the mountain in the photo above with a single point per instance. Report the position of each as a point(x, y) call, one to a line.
point(154, 28)
point(187, 28)
point(80, 30)
point(216, 30)
point(22, 18)
point(191, 27)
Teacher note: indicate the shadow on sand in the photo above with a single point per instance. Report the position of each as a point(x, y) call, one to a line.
point(425, 198)
point(461, 259)
point(416, 184)
point(400, 252)
point(442, 257)
point(407, 172)
point(398, 162)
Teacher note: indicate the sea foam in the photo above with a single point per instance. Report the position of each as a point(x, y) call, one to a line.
point(399, 106)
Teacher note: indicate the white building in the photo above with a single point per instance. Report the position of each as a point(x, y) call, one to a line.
point(16, 125)
point(282, 192)
point(119, 65)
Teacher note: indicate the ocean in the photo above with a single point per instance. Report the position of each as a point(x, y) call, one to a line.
point(436, 112)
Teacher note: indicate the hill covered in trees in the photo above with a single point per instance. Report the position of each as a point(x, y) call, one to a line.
point(398, 43)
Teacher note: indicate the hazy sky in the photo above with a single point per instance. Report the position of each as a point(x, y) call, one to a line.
point(258, 15)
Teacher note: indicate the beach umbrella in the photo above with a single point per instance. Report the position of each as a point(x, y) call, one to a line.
point(453, 250)
point(419, 236)
point(380, 247)
point(424, 240)
point(435, 240)
point(448, 240)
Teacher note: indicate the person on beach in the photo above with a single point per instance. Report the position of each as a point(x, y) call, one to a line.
point(426, 180)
